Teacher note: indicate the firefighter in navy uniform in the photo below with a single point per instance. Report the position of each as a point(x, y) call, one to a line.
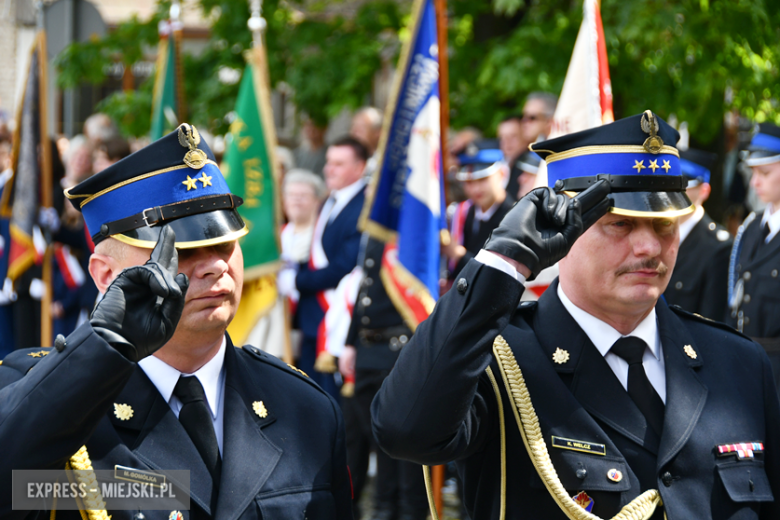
point(755, 270)
point(599, 396)
point(482, 175)
point(152, 381)
point(699, 282)
point(377, 334)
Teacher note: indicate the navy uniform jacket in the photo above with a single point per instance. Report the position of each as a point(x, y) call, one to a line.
point(699, 282)
point(375, 320)
point(273, 467)
point(341, 243)
point(439, 405)
point(759, 311)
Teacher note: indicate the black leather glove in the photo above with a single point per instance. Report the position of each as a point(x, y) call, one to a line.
point(541, 227)
point(142, 306)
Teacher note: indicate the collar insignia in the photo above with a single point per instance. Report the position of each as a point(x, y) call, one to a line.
point(190, 138)
point(123, 412)
point(260, 409)
point(560, 356)
point(652, 144)
point(690, 352)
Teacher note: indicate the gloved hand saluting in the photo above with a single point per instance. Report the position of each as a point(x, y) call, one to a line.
point(142, 306)
point(541, 227)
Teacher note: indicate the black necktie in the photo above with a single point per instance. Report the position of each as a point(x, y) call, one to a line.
point(195, 416)
point(640, 390)
point(762, 241)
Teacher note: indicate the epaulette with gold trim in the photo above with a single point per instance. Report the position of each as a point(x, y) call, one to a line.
point(703, 319)
point(275, 361)
point(24, 359)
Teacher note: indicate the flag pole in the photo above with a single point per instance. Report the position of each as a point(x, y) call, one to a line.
point(46, 181)
point(444, 119)
point(257, 25)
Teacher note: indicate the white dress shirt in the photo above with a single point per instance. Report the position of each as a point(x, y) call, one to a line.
point(340, 198)
point(602, 335)
point(687, 226)
point(772, 220)
point(211, 376)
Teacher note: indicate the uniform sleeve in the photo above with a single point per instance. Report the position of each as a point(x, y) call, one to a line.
point(48, 413)
point(313, 280)
point(342, 481)
point(434, 406)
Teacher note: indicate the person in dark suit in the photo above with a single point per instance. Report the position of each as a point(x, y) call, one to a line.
point(152, 381)
point(755, 298)
point(599, 396)
point(699, 282)
point(482, 174)
point(335, 247)
point(376, 336)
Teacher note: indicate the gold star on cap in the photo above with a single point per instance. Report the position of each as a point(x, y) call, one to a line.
point(654, 165)
point(560, 356)
point(205, 179)
point(192, 184)
point(260, 409)
point(690, 352)
point(190, 138)
point(39, 354)
point(123, 412)
point(639, 166)
point(666, 166)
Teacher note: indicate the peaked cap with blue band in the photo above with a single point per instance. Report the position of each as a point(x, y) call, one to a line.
point(174, 181)
point(765, 146)
point(636, 155)
point(480, 164)
point(696, 166)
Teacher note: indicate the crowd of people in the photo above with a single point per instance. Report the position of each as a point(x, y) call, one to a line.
point(351, 336)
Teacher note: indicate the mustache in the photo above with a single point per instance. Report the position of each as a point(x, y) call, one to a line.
point(649, 263)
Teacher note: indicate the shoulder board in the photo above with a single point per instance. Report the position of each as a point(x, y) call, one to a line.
point(701, 319)
point(24, 359)
point(278, 363)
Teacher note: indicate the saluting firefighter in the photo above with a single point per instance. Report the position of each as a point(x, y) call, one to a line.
point(755, 267)
point(699, 282)
point(599, 396)
point(152, 381)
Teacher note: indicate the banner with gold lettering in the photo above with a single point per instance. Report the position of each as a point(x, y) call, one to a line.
point(250, 170)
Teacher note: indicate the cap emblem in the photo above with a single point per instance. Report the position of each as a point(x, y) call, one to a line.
point(190, 138)
point(652, 144)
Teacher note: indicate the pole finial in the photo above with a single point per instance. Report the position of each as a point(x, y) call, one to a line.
point(256, 23)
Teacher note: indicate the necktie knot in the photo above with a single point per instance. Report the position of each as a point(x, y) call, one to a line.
point(630, 348)
point(189, 390)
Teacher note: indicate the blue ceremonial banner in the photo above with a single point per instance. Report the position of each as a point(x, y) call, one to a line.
point(406, 209)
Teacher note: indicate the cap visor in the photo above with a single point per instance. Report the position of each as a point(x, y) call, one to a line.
point(201, 230)
point(651, 204)
point(760, 157)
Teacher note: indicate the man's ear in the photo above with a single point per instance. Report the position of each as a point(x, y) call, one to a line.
point(103, 270)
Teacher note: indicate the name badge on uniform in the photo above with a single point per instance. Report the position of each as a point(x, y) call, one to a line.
point(575, 445)
point(743, 450)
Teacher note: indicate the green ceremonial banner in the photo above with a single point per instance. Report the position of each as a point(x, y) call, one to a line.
point(250, 171)
point(166, 111)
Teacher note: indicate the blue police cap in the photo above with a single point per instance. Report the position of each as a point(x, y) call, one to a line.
point(765, 146)
point(174, 181)
point(636, 155)
point(529, 162)
point(477, 164)
point(696, 166)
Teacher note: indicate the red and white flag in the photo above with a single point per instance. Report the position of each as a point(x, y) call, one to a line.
point(586, 98)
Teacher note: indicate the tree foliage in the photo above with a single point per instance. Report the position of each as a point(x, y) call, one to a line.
point(691, 58)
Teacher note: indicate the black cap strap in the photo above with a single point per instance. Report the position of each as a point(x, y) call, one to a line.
point(625, 183)
point(158, 214)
